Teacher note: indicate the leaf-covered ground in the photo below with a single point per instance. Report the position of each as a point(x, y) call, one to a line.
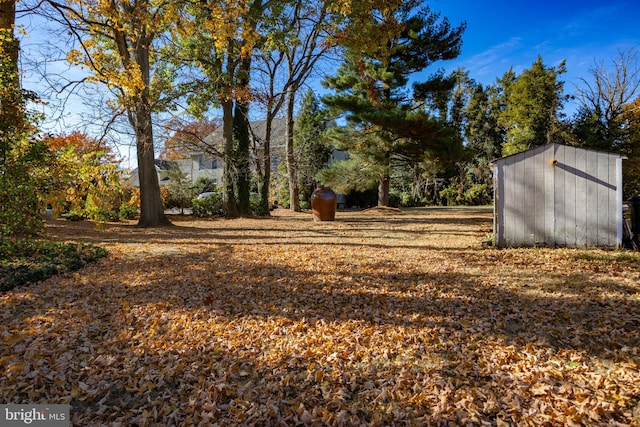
point(380, 318)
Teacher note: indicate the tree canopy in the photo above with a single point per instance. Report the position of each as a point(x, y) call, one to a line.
point(533, 102)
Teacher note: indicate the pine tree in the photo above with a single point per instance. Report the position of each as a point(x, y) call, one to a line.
point(372, 87)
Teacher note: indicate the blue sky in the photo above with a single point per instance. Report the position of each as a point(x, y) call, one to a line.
point(502, 34)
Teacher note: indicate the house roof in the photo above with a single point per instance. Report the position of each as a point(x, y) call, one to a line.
point(258, 129)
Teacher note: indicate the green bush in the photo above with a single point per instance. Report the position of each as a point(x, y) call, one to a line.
point(304, 204)
point(453, 195)
point(105, 215)
point(75, 216)
point(404, 199)
point(25, 261)
point(256, 205)
point(128, 211)
point(478, 194)
point(208, 206)
point(203, 185)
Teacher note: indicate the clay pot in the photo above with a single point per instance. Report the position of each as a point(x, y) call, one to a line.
point(323, 204)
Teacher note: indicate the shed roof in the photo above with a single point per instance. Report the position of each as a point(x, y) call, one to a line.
point(554, 145)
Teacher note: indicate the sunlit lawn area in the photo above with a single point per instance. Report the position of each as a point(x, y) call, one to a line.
point(379, 318)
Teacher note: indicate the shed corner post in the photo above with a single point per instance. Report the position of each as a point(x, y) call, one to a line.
point(498, 231)
point(619, 213)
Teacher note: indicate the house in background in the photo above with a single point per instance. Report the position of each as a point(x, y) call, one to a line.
point(257, 132)
point(555, 195)
point(196, 166)
point(200, 163)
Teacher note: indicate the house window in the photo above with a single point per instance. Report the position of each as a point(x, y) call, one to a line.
point(209, 163)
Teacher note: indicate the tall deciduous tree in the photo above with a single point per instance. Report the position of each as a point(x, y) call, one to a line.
point(116, 43)
point(189, 137)
point(382, 49)
point(631, 167)
point(309, 30)
point(533, 102)
point(603, 100)
point(220, 42)
point(10, 96)
point(288, 45)
point(22, 152)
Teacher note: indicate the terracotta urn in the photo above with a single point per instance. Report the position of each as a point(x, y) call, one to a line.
point(323, 204)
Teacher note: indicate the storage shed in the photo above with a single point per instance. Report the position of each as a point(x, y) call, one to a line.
point(555, 195)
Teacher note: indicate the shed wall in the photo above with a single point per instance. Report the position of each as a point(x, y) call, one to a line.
point(572, 203)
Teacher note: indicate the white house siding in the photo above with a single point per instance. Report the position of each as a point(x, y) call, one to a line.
point(575, 203)
point(201, 165)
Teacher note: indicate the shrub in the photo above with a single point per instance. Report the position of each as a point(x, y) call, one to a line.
point(256, 205)
point(208, 206)
point(75, 216)
point(108, 215)
point(24, 261)
point(305, 204)
point(24, 156)
point(478, 194)
point(203, 185)
point(165, 195)
point(128, 211)
point(451, 195)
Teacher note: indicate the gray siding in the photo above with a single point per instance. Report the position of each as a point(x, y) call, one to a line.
point(575, 203)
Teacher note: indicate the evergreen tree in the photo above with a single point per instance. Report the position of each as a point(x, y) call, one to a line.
point(179, 187)
point(312, 150)
point(589, 128)
point(533, 102)
point(371, 90)
point(483, 134)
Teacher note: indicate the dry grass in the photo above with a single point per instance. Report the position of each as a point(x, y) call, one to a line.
point(379, 318)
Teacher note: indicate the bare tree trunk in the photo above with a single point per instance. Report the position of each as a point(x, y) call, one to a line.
point(383, 191)
point(151, 210)
point(266, 158)
point(7, 15)
point(292, 167)
point(229, 194)
point(384, 185)
point(242, 156)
